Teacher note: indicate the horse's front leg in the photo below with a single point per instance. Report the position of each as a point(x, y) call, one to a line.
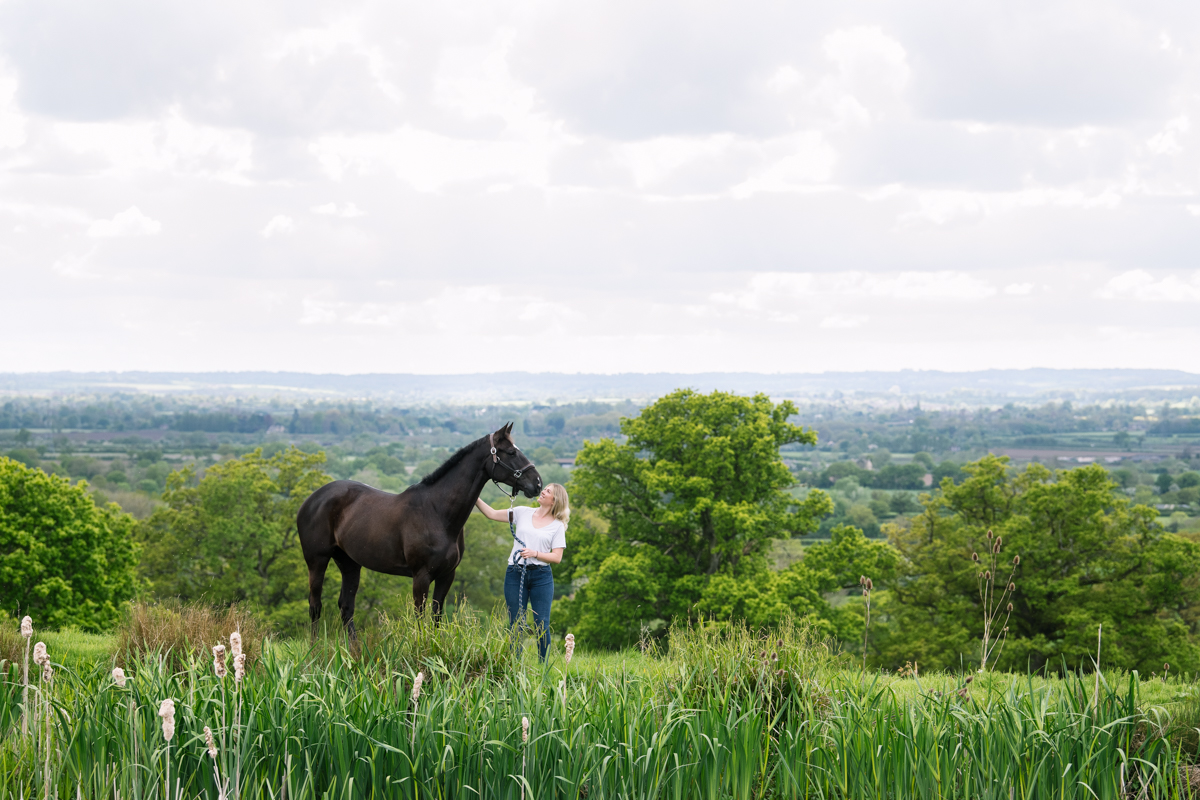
point(441, 588)
point(421, 581)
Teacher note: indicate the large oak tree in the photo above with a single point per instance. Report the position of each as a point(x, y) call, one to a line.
point(696, 490)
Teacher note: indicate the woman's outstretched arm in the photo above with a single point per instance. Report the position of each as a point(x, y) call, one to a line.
point(491, 513)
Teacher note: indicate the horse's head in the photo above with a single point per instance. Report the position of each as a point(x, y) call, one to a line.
point(507, 464)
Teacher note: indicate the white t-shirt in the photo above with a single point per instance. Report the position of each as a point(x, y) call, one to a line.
point(541, 539)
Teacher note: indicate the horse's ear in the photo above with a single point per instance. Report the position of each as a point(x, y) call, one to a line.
point(508, 430)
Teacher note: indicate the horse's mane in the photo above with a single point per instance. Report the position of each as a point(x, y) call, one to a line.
point(448, 464)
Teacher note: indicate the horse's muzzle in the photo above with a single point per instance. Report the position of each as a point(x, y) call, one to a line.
point(530, 483)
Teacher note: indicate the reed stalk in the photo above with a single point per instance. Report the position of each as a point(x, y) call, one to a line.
point(47, 677)
point(992, 605)
point(27, 632)
point(867, 586)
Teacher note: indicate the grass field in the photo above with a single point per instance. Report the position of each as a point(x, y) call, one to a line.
point(725, 713)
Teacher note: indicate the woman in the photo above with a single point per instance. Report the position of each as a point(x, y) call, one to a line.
point(544, 532)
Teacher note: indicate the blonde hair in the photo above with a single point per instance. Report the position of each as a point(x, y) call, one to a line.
point(561, 509)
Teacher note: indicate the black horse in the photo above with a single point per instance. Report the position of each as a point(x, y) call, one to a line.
point(418, 533)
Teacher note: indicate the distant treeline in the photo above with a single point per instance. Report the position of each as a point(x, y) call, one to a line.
point(848, 431)
point(892, 476)
point(134, 413)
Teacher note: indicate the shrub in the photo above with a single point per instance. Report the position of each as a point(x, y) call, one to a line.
point(12, 643)
point(63, 559)
point(179, 630)
point(466, 642)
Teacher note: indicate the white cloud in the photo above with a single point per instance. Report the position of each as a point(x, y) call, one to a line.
point(946, 206)
point(430, 161)
point(866, 56)
point(171, 145)
point(793, 296)
point(1018, 288)
point(785, 78)
point(844, 321)
point(316, 312)
point(279, 224)
point(1166, 142)
point(318, 44)
point(1138, 284)
point(130, 222)
point(440, 310)
point(348, 210)
point(12, 121)
point(476, 82)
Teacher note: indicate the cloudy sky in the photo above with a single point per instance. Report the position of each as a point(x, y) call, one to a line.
point(599, 186)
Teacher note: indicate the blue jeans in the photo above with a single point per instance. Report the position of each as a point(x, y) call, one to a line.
point(539, 592)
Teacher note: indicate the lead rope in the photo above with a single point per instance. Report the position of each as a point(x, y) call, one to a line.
point(525, 565)
point(512, 528)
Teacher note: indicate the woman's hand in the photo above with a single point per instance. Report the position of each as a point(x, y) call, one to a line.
point(553, 557)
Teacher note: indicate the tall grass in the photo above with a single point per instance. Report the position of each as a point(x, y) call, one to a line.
point(724, 713)
point(178, 631)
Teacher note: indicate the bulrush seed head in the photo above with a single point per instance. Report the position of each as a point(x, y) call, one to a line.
point(209, 743)
point(235, 644)
point(166, 710)
point(47, 671)
point(219, 660)
point(39, 653)
point(416, 692)
point(26, 627)
point(524, 729)
point(569, 647)
point(239, 667)
point(118, 676)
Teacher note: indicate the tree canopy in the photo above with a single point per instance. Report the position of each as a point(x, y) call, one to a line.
point(63, 560)
point(697, 490)
point(230, 537)
point(1088, 557)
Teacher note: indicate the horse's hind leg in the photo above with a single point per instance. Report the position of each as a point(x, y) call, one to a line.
point(351, 572)
point(316, 582)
